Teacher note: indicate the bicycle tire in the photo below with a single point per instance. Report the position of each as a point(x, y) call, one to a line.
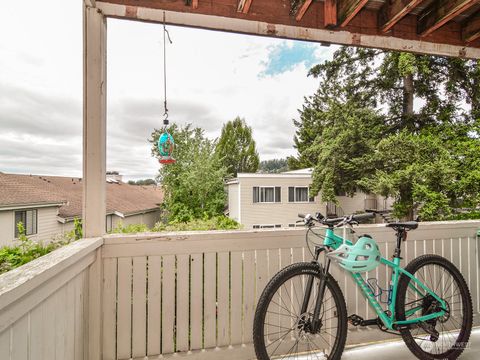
point(276, 283)
point(464, 310)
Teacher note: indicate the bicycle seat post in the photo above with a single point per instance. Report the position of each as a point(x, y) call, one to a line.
point(400, 236)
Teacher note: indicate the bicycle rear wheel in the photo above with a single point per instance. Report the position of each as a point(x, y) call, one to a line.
point(280, 330)
point(451, 332)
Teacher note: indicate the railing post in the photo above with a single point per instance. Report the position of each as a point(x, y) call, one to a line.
point(94, 122)
point(94, 316)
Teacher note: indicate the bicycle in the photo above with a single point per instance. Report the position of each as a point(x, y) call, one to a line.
point(302, 312)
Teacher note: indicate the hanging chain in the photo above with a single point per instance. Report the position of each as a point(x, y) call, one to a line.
point(166, 35)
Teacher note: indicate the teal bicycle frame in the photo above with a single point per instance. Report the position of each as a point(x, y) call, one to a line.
point(334, 241)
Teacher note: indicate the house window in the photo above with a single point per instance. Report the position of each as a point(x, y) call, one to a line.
point(267, 194)
point(29, 220)
point(299, 194)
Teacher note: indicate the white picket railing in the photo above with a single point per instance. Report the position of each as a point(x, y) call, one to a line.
point(181, 295)
point(194, 294)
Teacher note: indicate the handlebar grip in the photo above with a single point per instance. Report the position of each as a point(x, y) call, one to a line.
point(361, 217)
point(301, 216)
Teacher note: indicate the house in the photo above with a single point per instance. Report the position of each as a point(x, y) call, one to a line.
point(48, 205)
point(274, 200)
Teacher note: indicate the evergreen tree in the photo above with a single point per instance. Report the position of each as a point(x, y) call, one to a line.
point(419, 142)
point(273, 166)
point(236, 148)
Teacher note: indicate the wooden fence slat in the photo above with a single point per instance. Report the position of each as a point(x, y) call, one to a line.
point(109, 308)
point(261, 262)
point(139, 316)
point(5, 344)
point(223, 323)
point(248, 295)
point(19, 342)
point(273, 318)
point(210, 298)
point(36, 333)
point(196, 301)
point(70, 320)
point(183, 272)
point(154, 304)
point(48, 327)
point(236, 298)
point(168, 304)
point(79, 315)
point(124, 317)
point(60, 322)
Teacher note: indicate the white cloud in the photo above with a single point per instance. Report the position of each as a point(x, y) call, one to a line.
point(212, 78)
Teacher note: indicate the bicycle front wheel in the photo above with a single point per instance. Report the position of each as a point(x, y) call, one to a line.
point(281, 330)
point(441, 338)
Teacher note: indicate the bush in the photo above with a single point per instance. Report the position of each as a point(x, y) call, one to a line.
point(129, 229)
point(471, 215)
point(215, 223)
point(12, 257)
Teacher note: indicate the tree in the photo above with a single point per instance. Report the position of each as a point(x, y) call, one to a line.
point(194, 185)
point(416, 121)
point(273, 166)
point(236, 148)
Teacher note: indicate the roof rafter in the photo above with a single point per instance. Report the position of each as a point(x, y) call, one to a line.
point(347, 9)
point(440, 13)
point(302, 9)
point(393, 11)
point(244, 6)
point(330, 13)
point(471, 30)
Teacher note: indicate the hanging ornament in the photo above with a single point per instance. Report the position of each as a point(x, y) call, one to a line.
point(165, 144)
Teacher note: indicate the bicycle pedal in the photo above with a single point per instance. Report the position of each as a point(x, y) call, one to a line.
point(355, 320)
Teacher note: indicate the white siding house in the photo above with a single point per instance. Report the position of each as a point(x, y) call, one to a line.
point(275, 200)
point(48, 205)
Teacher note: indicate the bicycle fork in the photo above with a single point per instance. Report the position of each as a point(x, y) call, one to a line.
point(316, 323)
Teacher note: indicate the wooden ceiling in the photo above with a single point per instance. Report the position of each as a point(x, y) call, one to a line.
point(446, 25)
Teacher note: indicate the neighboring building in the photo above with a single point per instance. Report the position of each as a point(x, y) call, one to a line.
point(47, 205)
point(274, 200)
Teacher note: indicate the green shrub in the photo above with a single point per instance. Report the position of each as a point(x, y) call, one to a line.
point(215, 223)
point(12, 257)
point(471, 215)
point(129, 229)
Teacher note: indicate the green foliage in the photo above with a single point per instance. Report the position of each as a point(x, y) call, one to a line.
point(366, 129)
point(236, 148)
point(470, 215)
point(194, 185)
point(142, 182)
point(215, 223)
point(129, 229)
point(12, 257)
point(273, 166)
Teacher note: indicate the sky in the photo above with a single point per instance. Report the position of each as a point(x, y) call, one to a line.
point(212, 77)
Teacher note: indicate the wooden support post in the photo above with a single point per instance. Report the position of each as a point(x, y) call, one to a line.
point(330, 13)
point(94, 122)
point(394, 11)
point(347, 9)
point(94, 316)
point(471, 30)
point(194, 4)
point(441, 12)
point(303, 9)
point(244, 6)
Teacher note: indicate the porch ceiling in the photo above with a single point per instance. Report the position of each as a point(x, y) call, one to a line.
point(443, 27)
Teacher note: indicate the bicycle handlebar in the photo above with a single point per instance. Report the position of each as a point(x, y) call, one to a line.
point(349, 219)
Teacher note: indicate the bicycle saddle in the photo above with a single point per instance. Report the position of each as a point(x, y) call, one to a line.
point(410, 225)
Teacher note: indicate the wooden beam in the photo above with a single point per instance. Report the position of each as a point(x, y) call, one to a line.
point(347, 9)
point(471, 30)
point(90, 3)
point(244, 6)
point(393, 11)
point(441, 12)
point(94, 123)
point(284, 31)
point(330, 13)
point(302, 9)
point(194, 4)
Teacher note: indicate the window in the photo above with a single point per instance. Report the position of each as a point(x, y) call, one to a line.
point(29, 220)
point(267, 194)
point(299, 194)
